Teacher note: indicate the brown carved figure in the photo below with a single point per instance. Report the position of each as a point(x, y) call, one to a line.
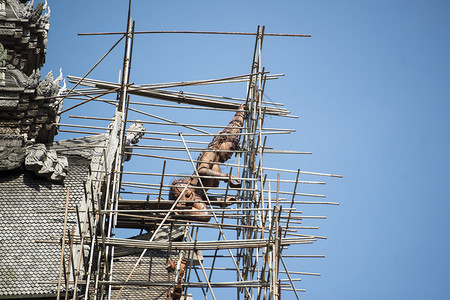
point(219, 150)
point(176, 292)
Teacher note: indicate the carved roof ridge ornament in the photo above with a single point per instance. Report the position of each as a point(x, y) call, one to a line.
point(15, 153)
point(135, 132)
point(49, 87)
point(46, 163)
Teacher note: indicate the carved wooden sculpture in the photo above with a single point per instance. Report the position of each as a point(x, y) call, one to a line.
point(220, 149)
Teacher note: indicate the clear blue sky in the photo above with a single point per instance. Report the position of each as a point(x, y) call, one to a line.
point(371, 87)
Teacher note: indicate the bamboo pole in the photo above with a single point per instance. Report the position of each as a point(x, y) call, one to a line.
point(62, 246)
point(239, 178)
point(70, 261)
point(205, 245)
point(203, 134)
point(172, 123)
point(82, 257)
point(198, 32)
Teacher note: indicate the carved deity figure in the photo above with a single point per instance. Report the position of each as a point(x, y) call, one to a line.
point(220, 149)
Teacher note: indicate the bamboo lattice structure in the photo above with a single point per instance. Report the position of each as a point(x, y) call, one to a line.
point(243, 247)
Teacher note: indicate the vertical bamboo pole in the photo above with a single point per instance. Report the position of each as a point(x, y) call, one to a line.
point(122, 110)
point(70, 262)
point(161, 183)
point(62, 246)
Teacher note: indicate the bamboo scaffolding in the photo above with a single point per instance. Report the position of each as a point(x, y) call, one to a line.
point(261, 226)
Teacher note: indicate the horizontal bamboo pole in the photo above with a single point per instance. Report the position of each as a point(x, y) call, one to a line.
point(311, 202)
point(169, 283)
point(197, 32)
point(202, 245)
point(194, 176)
point(301, 172)
point(172, 140)
point(231, 165)
point(233, 98)
point(233, 284)
point(174, 148)
point(195, 223)
point(155, 123)
point(228, 210)
point(144, 185)
point(290, 289)
point(303, 227)
point(155, 92)
point(80, 132)
point(112, 102)
point(303, 256)
point(106, 85)
point(172, 133)
point(302, 273)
